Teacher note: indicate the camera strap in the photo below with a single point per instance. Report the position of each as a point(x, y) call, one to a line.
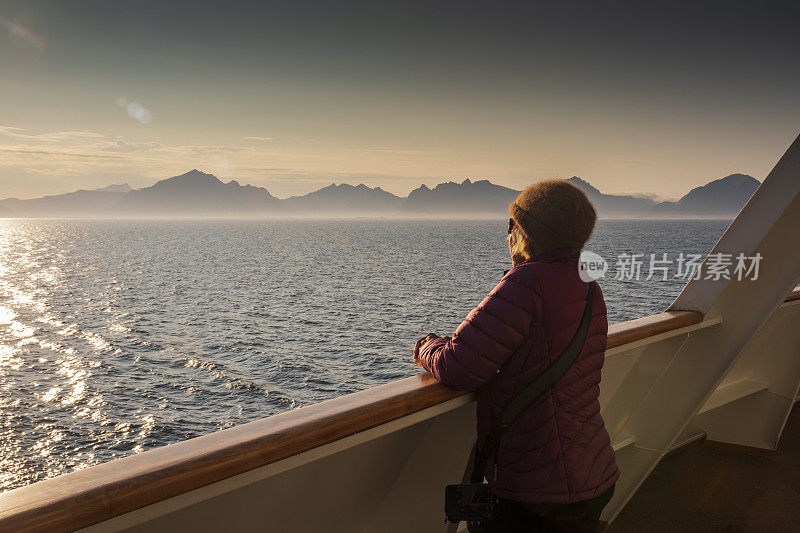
point(531, 393)
point(476, 465)
point(452, 527)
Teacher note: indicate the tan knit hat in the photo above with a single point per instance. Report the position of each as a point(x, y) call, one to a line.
point(554, 214)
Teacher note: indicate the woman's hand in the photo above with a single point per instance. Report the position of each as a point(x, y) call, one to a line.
point(420, 343)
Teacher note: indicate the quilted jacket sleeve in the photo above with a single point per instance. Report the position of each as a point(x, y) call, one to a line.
point(487, 337)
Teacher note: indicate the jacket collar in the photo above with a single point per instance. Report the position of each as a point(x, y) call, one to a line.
point(557, 255)
point(554, 256)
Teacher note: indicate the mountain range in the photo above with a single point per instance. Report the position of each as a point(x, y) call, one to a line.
point(716, 197)
point(345, 199)
point(197, 194)
point(466, 198)
point(98, 202)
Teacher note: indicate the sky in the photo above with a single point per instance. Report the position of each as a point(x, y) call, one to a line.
point(635, 97)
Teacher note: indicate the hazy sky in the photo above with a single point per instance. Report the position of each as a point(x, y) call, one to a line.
point(633, 96)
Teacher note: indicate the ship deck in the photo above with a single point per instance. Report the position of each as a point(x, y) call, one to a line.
point(709, 487)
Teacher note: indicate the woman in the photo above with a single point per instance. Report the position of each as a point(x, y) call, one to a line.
point(554, 469)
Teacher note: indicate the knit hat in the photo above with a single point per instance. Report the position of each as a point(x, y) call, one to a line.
point(554, 214)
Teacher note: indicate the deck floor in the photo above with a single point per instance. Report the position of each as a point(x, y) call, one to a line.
point(704, 488)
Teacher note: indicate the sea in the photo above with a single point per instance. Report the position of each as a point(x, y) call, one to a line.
point(119, 336)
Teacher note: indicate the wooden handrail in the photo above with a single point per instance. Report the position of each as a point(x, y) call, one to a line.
point(79, 499)
point(648, 326)
point(794, 295)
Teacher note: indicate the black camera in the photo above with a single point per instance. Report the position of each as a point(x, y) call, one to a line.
point(473, 503)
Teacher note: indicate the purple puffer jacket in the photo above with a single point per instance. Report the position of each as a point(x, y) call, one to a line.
point(558, 450)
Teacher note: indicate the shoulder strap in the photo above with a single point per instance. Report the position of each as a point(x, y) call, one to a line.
point(533, 391)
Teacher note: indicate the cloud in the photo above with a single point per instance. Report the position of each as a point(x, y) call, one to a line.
point(629, 162)
point(63, 135)
point(79, 154)
point(204, 149)
point(14, 132)
point(126, 146)
point(392, 151)
point(257, 138)
point(59, 152)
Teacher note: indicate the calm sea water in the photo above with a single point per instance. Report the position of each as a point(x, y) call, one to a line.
point(122, 336)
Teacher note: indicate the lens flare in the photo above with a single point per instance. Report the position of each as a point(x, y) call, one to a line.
point(22, 37)
point(139, 112)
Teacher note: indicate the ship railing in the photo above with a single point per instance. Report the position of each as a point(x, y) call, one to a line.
point(136, 489)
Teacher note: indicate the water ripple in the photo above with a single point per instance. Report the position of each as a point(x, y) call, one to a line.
point(121, 336)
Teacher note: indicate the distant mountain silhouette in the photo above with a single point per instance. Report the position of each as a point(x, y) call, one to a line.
point(73, 204)
point(588, 188)
point(613, 205)
point(198, 194)
point(466, 198)
point(344, 199)
point(120, 187)
point(723, 197)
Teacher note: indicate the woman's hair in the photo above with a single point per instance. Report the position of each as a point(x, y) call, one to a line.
point(522, 249)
